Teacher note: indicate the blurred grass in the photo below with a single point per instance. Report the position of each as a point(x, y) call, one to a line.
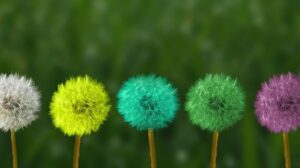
point(51, 40)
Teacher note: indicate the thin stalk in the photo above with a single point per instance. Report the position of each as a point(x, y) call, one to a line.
point(152, 148)
point(76, 152)
point(14, 148)
point(214, 149)
point(286, 145)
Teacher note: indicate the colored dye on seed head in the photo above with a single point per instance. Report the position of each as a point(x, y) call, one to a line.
point(215, 102)
point(80, 106)
point(148, 102)
point(277, 104)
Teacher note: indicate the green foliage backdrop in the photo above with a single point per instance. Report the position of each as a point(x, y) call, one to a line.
point(111, 40)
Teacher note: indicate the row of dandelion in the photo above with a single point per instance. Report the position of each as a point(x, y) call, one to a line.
point(148, 103)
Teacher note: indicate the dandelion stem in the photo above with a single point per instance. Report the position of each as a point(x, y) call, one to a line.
point(287, 155)
point(76, 152)
point(214, 147)
point(152, 148)
point(14, 148)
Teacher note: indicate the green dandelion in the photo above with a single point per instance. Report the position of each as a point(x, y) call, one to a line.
point(215, 103)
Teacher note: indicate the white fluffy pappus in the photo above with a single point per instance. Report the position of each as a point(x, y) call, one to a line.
point(19, 102)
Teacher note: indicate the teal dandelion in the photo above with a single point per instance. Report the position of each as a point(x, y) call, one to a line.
point(215, 103)
point(148, 102)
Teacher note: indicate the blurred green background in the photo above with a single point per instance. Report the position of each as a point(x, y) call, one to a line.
point(111, 40)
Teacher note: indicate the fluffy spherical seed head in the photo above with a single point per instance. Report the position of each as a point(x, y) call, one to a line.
point(215, 102)
point(277, 104)
point(19, 102)
point(147, 102)
point(79, 106)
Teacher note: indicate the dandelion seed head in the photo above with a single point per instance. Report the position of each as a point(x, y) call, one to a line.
point(80, 106)
point(215, 102)
point(148, 101)
point(277, 104)
point(19, 102)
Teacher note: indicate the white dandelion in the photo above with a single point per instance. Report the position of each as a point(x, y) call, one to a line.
point(19, 102)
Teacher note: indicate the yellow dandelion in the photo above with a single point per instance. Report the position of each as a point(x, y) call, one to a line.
point(79, 107)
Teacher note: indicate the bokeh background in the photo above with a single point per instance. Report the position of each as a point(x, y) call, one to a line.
point(112, 40)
